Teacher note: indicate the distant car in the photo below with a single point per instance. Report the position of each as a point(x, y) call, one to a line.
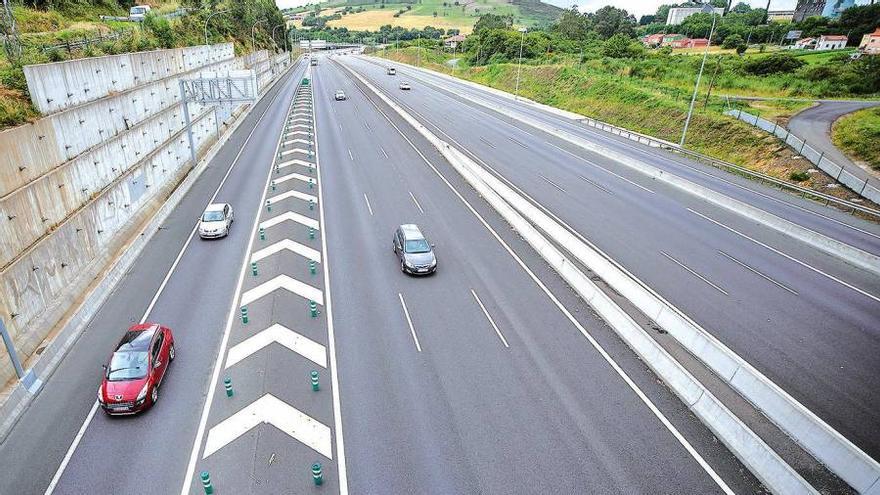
point(216, 221)
point(138, 13)
point(405, 86)
point(340, 95)
point(136, 369)
point(391, 71)
point(314, 61)
point(415, 253)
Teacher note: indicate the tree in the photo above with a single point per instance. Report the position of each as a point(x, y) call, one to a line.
point(572, 25)
point(609, 21)
point(733, 41)
point(491, 21)
point(620, 46)
point(741, 8)
point(859, 20)
point(647, 19)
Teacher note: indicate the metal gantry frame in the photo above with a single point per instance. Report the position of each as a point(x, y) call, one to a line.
point(217, 90)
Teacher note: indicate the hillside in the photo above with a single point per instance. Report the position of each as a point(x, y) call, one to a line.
point(370, 15)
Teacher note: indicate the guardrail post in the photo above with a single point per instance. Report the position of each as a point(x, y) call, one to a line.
point(27, 378)
point(803, 144)
point(821, 156)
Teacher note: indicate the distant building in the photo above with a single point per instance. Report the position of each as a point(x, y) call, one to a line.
point(780, 15)
point(697, 43)
point(678, 15)
point(831, 42)
point(653, 40)
point(804, 44)
point(673, 40)
point(452, 42)
point(825, 8)
point(871, 43)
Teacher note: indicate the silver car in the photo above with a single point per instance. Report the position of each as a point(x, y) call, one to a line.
point(340, 95)
point(216, 221)
point(415, 253)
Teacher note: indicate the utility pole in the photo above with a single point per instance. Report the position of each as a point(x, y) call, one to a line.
point(519, 65)
point(767, 13)
point(208, 19)
point(687, 121)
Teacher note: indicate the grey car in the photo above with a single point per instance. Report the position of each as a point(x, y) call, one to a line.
point(415, 253)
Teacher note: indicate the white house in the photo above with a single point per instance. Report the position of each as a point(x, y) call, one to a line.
point(804, 44)
point(678, 14)
point(831, 42)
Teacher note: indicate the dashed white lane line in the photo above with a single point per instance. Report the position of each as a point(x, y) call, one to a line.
point(293, 285)
point(488, 143)
point(383, 151)
point(290, 216)
point(350, 155)
point(289, 245)
point(594, 184)
point(370, 208)
point(489, 317)
point(416, 202)
point(409, 322)
point(756, 272)
point(269, 409)
point(780, 253)
point(280, 334)
point(520, 143)
point(548, 181)
point(692, 272)
point(601, 168)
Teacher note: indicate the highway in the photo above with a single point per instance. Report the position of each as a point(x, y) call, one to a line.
point(490, 376)
point(805, 319)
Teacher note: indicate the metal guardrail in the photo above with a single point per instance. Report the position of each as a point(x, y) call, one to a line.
point(827, 199)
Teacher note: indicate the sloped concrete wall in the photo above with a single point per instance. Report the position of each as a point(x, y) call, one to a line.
point(75, 186)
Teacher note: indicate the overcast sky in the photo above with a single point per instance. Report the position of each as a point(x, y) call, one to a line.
point(636, 7)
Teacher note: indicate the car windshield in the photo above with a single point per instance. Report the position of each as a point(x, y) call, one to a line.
point(417, 246)
point(127, 365)
point(212, 216)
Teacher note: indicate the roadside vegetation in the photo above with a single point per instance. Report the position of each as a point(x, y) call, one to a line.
point(593, 65)
point(858, 134)
point(54, 31)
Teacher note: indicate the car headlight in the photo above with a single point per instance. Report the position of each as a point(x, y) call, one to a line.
point(100, 396)
point(434, 262)
point(143, 392)
point(407, 263)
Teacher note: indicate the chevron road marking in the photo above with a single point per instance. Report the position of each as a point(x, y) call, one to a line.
point(271, 410)
point(283, 282)
point(288, 177)
point(297, 343)
point(290, 152)
point(292, 194)
point(293, 217)
point(303, 113)
point(297, 140)
point(289, 245)
point(292, 121)
point(297, 126)
point(291, 133)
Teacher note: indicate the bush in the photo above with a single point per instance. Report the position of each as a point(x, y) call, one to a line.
point(732, 41)
point(56, 55)
point(621, 46)
point(798, 176)
point(773, 64)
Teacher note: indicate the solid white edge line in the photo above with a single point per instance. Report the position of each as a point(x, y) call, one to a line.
point(620, 372)
point(76, 440)
point(370, 208)
point(331, 332)
point(206, 408)
point(694, 273)
point(489, 317)
point(416, 202)
point(409, 321)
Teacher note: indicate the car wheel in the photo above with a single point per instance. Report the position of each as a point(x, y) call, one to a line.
point(402, 266)
point(154, 395)
point(171, 353)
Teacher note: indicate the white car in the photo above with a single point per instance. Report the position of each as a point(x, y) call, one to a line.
point(405, 86)
point(340, 95)
point(216, 220)
point(391, 71)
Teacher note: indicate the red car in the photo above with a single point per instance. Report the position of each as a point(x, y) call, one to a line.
point(136, 369)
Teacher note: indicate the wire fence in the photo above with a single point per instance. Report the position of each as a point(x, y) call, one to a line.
point(857, 180)
point(81, 43)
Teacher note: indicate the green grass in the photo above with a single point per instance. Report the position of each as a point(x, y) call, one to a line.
point(858, 134)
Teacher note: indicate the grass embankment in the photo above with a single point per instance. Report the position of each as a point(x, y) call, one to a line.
point(609, 91)
point(461, 17)
point(858, 134)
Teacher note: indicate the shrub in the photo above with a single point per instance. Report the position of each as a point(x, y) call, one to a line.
point(798, 176)
point(773, 64)
point(732, 41)
point(56, 55)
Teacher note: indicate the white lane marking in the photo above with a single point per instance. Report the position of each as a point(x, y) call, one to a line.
point(289, 245)
point(489, 317)
point(339, 125)
point(295, 141)
point(780, 253)
point(756, 272)
point(341, 471)
point(78, 438)
point(297, 126)
point(409, 322)
point(290, 152)
point(595, 184)
point(416, 202)
point(301, 289)
point(488, 143)
point(299, 120)
point(291, 216)
point(291, 194)
point(293, 133)
point(350, 155)
point(600, 167)
point(271, 410)
point(518, 142)
point(370, 208)
point(295, 161)
point(383, 151)
point(224, 343)
point(593, 342)
point(557, 186)
point(297, 343)
point(296, 176)
point(692, 272)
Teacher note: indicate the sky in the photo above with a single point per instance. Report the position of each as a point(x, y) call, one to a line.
point(635, 7)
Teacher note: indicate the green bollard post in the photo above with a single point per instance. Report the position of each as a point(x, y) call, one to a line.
point(315, 386)
point(273, 184)
point(317, 474)
point(254, 268)
point(262, 234)
point(311, 232)
point(311, 204)
point(244, 315)
point(313, 309)
point(227, 384)
point(206, 482)
point(311, 183)
point(268, 205)
point(313, 267)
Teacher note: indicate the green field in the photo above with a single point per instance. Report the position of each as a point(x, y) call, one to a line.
point(858, 134)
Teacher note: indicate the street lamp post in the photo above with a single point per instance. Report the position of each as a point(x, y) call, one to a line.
point(253, 41)
point(687, 122)
point(519, 65)
point(208, 19)
point(273, 33)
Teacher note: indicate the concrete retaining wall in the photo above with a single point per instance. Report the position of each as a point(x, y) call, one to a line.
point(74, 184)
